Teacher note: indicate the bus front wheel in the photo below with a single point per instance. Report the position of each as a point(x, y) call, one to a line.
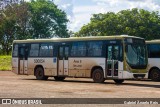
point(118, 81)
point(39, 73)
point(155, 75)
point(59, 78)
point(98, 76)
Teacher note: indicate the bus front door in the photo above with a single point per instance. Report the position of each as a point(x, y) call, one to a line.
point(23, 60)
point(63, 61)
point(112, 61)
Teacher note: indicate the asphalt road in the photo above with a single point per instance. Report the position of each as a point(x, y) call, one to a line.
point(22, 86)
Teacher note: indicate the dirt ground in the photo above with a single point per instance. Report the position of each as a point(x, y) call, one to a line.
point(22, 86)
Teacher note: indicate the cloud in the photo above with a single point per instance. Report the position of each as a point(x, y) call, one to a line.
point(65, 5)
point(80, 12)
point(79, 21)
point(84, 13)
point(151, 5)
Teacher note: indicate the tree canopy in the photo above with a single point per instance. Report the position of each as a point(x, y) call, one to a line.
point(135, 22)
point(47, 20)
point(27, 20)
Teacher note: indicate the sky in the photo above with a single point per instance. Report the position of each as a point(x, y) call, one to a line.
point(79, 12)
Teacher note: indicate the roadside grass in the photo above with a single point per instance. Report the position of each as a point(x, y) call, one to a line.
point(5, 63)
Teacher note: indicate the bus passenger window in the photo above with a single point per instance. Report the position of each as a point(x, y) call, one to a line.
point(66, 53)
point(15, 50)
point(34, 50)
point(78, 49)
point(154, 51)
point(61, 52)
point(46, 50)
point(95, 48)
point(21, 52)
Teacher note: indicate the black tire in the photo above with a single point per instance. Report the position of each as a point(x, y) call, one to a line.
point(59, 78)
point(98, 76)
point(39, 73)
point(118, 81)
point(155, 75)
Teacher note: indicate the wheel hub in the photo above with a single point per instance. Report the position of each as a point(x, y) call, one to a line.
point(155, 75)
point(97, 76)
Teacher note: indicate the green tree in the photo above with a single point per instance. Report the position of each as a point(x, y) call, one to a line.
point(7, 29)
point(136, 22)
point(36, 19)
point(22, 21)
point(13, 21)
point(47, 20)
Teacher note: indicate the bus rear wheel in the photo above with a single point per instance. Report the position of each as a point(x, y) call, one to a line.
point(118, 81)
point(155, 75)
point(98, 76)
point(59, 78)
point(39, 73)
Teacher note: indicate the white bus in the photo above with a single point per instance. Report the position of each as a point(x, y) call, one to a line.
point(99, 58)
point(154, 59)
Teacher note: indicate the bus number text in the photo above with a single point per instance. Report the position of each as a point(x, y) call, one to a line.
point(39, 61)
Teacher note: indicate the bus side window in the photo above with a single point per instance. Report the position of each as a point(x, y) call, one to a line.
point(15, 50)
point(66, 53)
point(78, 49)
point(50, 49)
point(95, 48)
point(21, 52)
point(154, 50)
point(55, 51)
point(61, 53)
point(34, 50)
point(46, 50)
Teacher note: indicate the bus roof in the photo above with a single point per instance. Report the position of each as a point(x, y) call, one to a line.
point(76, 39)
point(153, 41)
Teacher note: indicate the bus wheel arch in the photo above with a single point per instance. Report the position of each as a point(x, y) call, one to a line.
point(97, 74)
point(154, 74)
point(39, 72)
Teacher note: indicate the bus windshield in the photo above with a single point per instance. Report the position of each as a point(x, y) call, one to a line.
point(136, 54)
